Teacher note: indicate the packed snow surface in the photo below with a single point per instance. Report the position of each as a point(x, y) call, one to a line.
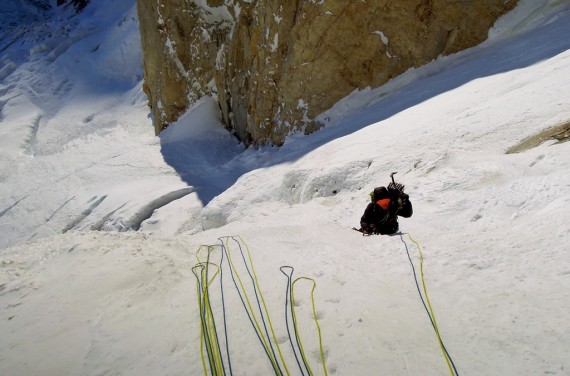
point(101, 221)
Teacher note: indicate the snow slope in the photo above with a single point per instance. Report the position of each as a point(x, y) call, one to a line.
point(100, 220)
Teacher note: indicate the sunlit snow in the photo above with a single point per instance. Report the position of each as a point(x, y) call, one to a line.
point(100, 220)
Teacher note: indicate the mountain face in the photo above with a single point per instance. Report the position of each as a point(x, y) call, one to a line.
point(274, 66)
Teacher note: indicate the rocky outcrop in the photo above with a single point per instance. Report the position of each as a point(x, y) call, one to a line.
point(275, 65)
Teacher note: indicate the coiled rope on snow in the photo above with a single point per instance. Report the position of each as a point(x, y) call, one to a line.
point(259, 318)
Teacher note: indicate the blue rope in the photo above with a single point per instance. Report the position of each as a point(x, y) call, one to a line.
point(277, 371)
point(423, 302)
point(258, 303)
point(224, 311)
point(202, 308)
point(287, 302)
point(210, 308)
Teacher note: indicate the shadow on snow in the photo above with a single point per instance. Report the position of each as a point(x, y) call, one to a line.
point(199, 163)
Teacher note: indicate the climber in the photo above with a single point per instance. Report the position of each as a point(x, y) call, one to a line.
point(381, 215)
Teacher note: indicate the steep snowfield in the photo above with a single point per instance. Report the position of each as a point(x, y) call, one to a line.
point(100, 220)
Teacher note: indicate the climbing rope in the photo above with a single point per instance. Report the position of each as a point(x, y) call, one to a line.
point(314, 318)
point(208, 332)
point(249, 316)
point(289, 313)
point(212, 357)
point(210, 344)
point(428, 307)
point(224, 312)
point(264, 314)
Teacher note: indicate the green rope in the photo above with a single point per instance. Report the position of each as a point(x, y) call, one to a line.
point(266, 340)
point(447, 357)
point(322, 354)
point(210, 350)
point(208, 334)
point(208, 331)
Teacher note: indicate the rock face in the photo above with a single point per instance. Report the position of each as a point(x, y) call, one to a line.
point(275, 65)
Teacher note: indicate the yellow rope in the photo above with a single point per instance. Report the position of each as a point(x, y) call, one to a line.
point(206, 320)
point(314, 318)
point(208, 334)
point(207, 315)
point(213, 335)
point(264, 306)
point(206, 312)
point(252, 311)
point(430, 307)
point(199, 296)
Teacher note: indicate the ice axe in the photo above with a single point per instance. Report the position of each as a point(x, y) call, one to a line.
point(393, 185)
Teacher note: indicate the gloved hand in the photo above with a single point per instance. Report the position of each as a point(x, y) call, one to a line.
point(394, 192)
point(401, 201)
